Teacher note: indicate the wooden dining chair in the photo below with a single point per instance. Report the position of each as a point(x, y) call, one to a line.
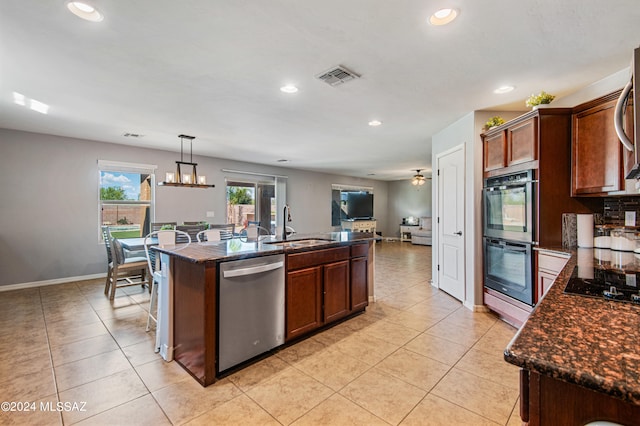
point(107, 237)
point(125, 271)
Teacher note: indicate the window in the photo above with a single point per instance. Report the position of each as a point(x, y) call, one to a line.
point(255, 198)
point(126, 198)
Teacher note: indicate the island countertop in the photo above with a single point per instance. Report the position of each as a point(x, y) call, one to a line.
point(239, 248)
point(590, 342)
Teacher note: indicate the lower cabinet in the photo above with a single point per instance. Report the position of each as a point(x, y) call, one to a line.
point(549, 266)
point(304, 301)
point(337, 303)
point(359, 283)
point(324, 286)
point(545, 400)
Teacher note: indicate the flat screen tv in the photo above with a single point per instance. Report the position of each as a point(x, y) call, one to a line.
point(359, 205)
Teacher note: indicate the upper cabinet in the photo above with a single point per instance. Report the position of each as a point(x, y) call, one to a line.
point(495, 153)
point(515, 145)
point(598, 157)
point(522, 142)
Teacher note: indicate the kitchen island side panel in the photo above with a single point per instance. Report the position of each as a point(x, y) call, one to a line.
point(195, 318)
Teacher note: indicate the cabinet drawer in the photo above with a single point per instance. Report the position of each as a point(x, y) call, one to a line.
point(359, 250)
point(317, 257)
point(551, 263)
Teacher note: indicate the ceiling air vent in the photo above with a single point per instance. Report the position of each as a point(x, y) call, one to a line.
point(132, 135)
point(337, 75)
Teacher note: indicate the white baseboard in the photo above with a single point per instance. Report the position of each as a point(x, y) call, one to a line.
point(43, 283)
point(475, 308)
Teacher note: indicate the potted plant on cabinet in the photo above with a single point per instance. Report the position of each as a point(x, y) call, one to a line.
point(493, 122)
point(542, 98)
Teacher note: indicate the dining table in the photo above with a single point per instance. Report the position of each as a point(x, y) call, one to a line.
point(136, 244)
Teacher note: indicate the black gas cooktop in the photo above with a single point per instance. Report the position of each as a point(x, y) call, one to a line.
point(606, 284)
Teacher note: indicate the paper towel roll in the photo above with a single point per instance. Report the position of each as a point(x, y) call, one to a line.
point(585, 230)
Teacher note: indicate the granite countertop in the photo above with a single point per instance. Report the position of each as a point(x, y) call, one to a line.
point(591, 342)
point(237, 248)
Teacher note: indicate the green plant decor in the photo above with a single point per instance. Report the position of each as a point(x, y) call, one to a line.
point(166, 228)
point(493, 122)
point(541, 98)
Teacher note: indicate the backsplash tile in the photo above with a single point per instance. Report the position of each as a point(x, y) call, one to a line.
point(614, 209)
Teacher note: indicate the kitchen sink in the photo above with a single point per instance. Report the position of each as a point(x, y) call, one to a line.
point(300, 243)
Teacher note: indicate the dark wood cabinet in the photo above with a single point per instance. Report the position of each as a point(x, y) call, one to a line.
point(359, 283)
point(337, 301)
point(522, 142)
point(510, 145)
point(545, 400)
point(303, 301)
point(494, 150)
point(538, 140)
point(598, 157)
point(324, 286)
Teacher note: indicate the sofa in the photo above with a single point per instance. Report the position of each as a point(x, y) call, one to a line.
point(422, 235)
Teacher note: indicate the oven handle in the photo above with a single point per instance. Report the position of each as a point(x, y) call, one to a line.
point(505, 186)
point(514, 247)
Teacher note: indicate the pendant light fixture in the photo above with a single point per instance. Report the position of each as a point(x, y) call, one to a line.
point(418, 179)
point(191, 180)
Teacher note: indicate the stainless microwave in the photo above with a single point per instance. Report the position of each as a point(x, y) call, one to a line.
point(632, 89)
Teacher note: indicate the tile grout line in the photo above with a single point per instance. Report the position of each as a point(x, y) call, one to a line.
point(53, 370)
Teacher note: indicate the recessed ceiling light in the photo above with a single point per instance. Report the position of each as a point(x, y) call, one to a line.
point(443, 16)
point(374, 123)
point(19, 98)
point(38, 106)
point(22, 100)
point(503, 89)
point(289, 88)
point(85, 11)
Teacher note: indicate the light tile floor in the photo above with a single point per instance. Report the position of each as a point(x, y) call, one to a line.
point(416, 357)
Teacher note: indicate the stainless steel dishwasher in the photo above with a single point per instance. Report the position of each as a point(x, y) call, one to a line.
point(250, 309)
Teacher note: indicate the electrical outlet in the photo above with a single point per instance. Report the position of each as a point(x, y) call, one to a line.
point(629, 218)
point(210, 214)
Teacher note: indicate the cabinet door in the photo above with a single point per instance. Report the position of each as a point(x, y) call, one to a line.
point(336, 291)
point(494, 152)
point(522, 142)
point(304, 301)
point(597, 152)
point(545, 281)
point(359, 284)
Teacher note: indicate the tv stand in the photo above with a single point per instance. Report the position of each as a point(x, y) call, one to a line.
point(359, 225)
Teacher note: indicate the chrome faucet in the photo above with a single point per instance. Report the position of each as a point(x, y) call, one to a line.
point(286, 217)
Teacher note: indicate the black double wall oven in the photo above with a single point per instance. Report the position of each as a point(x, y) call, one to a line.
point(509, 209)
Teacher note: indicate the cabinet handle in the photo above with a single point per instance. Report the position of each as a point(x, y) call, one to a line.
point(458, 233)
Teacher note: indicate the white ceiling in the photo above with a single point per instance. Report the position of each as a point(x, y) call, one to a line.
point(213, 69)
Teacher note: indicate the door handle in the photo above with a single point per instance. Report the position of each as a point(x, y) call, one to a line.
point(458, 233)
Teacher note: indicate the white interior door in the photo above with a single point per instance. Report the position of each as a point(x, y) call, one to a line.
point(451, 234)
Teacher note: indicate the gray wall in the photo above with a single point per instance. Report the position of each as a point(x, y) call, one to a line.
point(407, 200)
point(49, 224)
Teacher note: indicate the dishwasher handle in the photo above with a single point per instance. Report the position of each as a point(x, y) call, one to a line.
point(241, 272)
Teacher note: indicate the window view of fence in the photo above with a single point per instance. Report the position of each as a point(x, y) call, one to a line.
point(125, 203)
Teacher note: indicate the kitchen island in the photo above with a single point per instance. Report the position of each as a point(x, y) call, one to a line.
point(580, 356)
point(328, 277)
